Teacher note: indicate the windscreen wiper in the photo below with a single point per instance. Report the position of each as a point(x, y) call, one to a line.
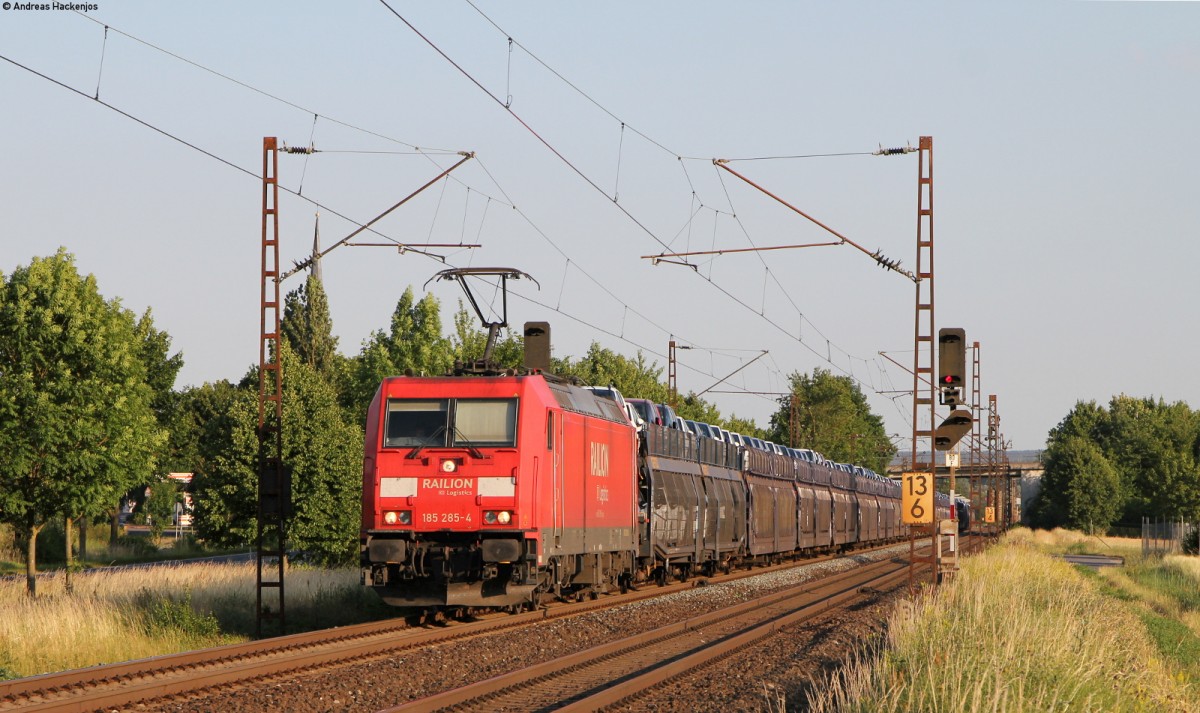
point(475, 453)
point(417, 451)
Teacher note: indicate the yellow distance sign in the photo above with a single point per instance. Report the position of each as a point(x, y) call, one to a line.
point(989, 514)
point(917, 498)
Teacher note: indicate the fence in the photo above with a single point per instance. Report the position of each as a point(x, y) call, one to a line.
point(1164, 536)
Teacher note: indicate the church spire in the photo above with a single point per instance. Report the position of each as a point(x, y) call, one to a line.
point(315, 268)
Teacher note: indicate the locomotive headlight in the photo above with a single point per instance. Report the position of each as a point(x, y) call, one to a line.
point(397, 517)
point(504, 517)
point(489, 516)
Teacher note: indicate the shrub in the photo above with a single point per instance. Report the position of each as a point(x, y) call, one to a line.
point(166, 616)
point(1191, 540)
point(138, 546)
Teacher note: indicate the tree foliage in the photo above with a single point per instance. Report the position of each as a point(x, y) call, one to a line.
point(1080, 488)
point(635, 377)
point(76, 421)
point(831, 416)
point(414, 343)
point(600, 366)
point(162, 367)
point(1151, 446)
point(469, 342)
point(160, 505)
point(322, 453)
point(308, 327)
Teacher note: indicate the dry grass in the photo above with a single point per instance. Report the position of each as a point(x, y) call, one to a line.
point(1188, 565)
point(118, 615)
point(1060, 541)
point(1017, 630)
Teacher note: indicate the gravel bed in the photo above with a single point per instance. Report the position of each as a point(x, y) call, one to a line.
point(730, 685)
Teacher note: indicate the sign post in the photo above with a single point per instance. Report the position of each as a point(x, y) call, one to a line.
point(916, 506)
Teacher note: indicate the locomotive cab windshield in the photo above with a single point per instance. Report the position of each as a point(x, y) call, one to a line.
point(451, 423)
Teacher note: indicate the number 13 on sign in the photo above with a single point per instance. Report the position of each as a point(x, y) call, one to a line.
point(917, 499)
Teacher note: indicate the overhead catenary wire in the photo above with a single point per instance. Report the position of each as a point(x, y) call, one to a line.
point(471, 78)
point(256, 90)
point(316, 203)
point(426, 151)
point(100, 73)
point(533, 132)
point(417, 150)
point(194, 147)
point(363, 226)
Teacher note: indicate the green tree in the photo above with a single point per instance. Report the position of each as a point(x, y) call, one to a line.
point(320, 450)
point(308, 327)
point(199, 415)
point(1080, 488)
point(162, 368)
point(469, 342)
point(324, 455)
point(160, 506)
point(1150, 444)
point(832, 416)
point(634, 377)
point(694, 408)
point(225, 484)
point(76, 424)
point(746, 427)
point(413, 343)
point(201, 441)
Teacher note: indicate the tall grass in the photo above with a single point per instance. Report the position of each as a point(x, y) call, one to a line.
point(118, 615)
point(1060, 541)
point(1016, 630)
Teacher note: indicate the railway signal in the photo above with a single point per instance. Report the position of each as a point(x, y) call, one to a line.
point(952, 363)
point(956, 425)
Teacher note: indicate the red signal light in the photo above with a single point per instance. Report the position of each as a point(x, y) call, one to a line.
point(948, 379)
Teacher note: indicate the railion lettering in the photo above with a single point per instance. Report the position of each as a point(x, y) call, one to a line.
point(600, 459)
point(448, 483)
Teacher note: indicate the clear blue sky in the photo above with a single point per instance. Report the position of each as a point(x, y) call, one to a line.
point(1067, 199)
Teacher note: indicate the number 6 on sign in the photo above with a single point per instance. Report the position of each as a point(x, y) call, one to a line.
point(917, 498)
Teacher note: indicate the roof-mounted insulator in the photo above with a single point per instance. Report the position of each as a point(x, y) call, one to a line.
point(298, 149)
point(893, 152)
point(888, 263)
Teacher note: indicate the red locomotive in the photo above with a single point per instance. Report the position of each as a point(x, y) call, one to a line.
point(479, 491)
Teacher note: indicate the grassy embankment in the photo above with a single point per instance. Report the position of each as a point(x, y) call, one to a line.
point(126, 549)
point(1019, 630)
point(123, 614)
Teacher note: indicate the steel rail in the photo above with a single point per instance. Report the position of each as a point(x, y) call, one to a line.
point(125, 683)
point(613, 672)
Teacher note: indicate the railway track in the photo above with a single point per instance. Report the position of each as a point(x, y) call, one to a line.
point(185, 674)
point(616, 672)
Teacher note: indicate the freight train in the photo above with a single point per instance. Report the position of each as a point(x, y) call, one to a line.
point(504, 489)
